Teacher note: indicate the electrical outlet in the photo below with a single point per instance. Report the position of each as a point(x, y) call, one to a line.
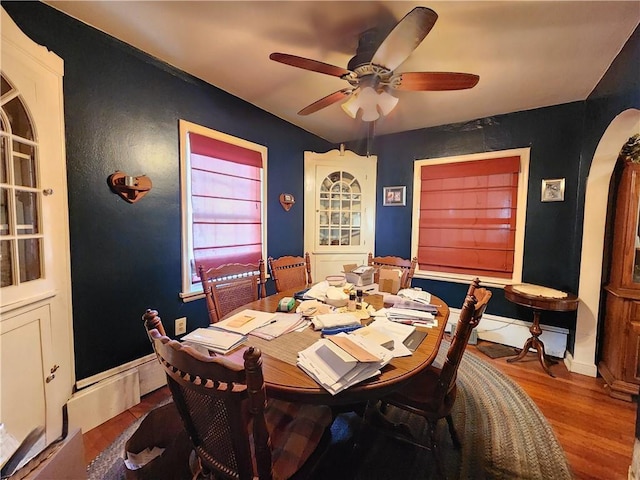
point(181, 326)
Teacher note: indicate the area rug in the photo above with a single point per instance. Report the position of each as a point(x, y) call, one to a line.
point(504, 436)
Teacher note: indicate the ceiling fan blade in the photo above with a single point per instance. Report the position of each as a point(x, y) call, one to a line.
point(433, 81)
point(404, 38)
point(308, 64)
point(326, 101)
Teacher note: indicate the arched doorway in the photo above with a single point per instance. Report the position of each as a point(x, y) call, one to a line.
point(625, 125)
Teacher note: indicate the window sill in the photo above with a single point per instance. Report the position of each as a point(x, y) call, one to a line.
point(459, 278)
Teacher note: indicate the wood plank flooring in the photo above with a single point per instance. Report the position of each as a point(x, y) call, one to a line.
point(595, 430)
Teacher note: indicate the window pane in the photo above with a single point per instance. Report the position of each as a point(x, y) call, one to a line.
point(24, 166)
point(6, 264)
point(4, 212)
point(29, 259)
point(3, 158)
point(18, 118)
point(5, 86)
point(26, 212)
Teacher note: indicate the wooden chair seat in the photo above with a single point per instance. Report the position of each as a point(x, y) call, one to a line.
point(290, 272)
point(408, 267)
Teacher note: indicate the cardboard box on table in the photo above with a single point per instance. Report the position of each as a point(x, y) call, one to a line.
point(389, 280)
point(358, 276)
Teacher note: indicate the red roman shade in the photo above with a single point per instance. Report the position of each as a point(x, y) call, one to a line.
point(226, 202)
point(468, 217)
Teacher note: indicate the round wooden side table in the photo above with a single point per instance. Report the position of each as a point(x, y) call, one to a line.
point(539, 299)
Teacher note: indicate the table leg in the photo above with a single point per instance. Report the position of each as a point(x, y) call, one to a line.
point(535, 343)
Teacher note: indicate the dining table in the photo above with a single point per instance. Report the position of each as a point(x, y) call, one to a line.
point(284, 380)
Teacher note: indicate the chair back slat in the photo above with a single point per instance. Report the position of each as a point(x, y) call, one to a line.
point(472, 310)
point(231, 286)
point(290, 272)
point(221, 403)
point(408, 267)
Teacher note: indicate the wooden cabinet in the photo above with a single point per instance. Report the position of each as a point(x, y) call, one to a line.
point(620, 358)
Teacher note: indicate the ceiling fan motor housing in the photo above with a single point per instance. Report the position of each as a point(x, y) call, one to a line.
point(368, 43)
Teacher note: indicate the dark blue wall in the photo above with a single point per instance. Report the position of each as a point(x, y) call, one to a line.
point(121, 113)
point(553, 134)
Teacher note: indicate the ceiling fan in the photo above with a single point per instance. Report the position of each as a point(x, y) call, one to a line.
point(371, 72)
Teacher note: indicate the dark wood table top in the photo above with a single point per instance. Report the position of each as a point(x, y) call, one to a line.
point(288, 382)
point(541, 302)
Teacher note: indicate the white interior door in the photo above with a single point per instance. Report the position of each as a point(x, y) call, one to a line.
point(340, 210)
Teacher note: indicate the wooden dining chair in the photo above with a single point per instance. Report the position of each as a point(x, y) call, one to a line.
point(290, 272)
point(235, 431)
point(408, 267)
point(433, 392)
point(230, 286)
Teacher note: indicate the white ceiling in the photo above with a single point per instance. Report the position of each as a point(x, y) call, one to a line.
point(527, 54)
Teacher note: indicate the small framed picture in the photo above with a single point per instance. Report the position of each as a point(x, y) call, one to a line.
point(553, 190)
point(394, 196)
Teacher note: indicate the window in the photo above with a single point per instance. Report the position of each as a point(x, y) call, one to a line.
point(21, 236)
point(469, 216)
point(223, 201)
point(340, 212)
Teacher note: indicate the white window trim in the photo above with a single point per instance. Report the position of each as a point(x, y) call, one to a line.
point(193, 292)
point(523, 184)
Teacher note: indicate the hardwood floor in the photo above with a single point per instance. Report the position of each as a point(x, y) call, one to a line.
point(595, 430)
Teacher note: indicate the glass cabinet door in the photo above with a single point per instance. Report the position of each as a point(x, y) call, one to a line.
point(340, 210)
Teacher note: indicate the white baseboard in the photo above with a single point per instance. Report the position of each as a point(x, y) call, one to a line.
point(514, 333)
point(588, 369)
point(116, 390)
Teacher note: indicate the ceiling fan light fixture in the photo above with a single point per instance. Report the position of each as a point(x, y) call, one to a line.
point(371, 103)
point(386, 102)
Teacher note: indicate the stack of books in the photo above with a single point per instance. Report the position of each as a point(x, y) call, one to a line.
point(339, 361)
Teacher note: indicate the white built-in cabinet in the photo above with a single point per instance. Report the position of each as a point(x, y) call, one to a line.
point(36, 340)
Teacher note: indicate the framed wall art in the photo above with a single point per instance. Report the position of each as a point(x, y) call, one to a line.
point(394, 196)
point(553, 190)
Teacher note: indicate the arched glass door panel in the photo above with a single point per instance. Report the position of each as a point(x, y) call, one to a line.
point(20, 197)
point(340, 210)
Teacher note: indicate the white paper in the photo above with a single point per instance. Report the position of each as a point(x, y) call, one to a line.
point(259, 319)
point(280, 324)
point(215, 339)
point(330, 320)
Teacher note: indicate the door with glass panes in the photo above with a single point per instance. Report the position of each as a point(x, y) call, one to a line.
point(340, 204)
point(36, 338)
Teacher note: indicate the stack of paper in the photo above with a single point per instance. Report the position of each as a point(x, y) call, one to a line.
point(340, 361)
point(280, 324)
point(245, 321)
point(219, 341)
point(396, 332)
point(330, 320)
point(412, 317)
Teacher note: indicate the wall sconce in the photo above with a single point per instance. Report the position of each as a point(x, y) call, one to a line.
point(131, 189)
point(287, 201)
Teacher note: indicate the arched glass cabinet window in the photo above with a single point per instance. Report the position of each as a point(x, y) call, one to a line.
point(21, 238)
point(340, 212)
